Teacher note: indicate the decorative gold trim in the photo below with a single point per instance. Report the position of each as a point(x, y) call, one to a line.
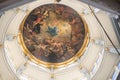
point(107, 49)
point(1, 46)
point(55, 65)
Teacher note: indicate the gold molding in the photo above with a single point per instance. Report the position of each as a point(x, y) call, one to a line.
point(106, 49)
point(55, 65)
point(1, 45)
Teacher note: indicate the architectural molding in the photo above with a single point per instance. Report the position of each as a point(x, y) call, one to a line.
point(14, 4)
point(52, 76)
point(10, 37)
point(1, 45)
point(80, 65)
point(21, 68)
point(98, 41)
point(111, 49)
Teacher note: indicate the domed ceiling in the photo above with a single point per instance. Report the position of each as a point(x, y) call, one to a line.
point(54, 33)
point(46, 40)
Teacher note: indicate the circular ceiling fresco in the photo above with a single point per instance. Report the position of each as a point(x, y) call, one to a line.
point(53, 33)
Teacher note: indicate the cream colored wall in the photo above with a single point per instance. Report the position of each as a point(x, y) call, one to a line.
point(5, 71)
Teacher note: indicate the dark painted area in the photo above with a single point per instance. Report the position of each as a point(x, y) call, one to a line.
point(54, 21)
